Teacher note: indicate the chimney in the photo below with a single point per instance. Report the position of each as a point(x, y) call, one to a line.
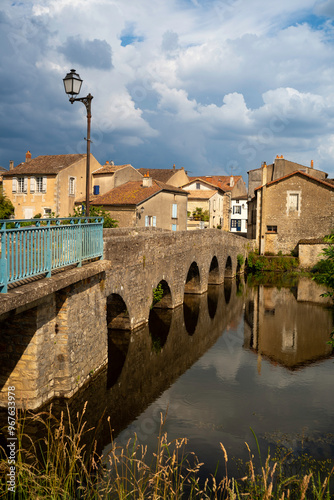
point(264, 173)
point(311, 163)
point(147, 180)
point(174, 166)
point(11, 165)
point(231, 181)
point(28, 156)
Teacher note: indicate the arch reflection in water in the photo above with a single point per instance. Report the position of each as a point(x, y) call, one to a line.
point(118, 346)
point(227, 290)
point(159, 326)
point(213, 294)
point(117, 313)
point(214, 272)
point(191, 307)
point(228, 268)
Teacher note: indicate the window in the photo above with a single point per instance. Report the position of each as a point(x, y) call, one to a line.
point(47, 212)
point(198, 185)
point(293, 202)
point(38, 184)
point(150, 220)
point(237, 209)
point(22, 184)
point(173, 227)
point(174, 211)
point(271, 229)
point(71, 187)
point(236, 224)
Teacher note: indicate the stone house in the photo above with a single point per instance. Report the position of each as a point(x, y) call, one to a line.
point(47, 184)
point(239, 215)
point(147, 203)
point(172, 176)
point(204, 195)
point(233, 184)
point(110, 176)
point(290, 208)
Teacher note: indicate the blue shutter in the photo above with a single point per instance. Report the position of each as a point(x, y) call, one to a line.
point(146, 220)
point(154, 221)
point(173, 227)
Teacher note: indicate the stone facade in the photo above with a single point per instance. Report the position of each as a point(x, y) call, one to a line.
point(289, 209)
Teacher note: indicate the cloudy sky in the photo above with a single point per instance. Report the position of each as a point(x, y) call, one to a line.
point(215, 86)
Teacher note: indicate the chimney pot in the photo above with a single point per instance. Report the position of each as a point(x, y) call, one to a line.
point(311, 163)
point(28, 156)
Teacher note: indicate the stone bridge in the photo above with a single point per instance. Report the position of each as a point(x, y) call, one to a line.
point(54, 332)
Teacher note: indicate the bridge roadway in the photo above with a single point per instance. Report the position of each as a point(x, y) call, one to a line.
point(54, 332)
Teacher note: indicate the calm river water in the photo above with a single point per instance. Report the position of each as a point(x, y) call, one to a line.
point(236, 358)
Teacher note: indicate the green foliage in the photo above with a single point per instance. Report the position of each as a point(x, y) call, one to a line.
point(281, 263)
point(37, 216)
point(6, 207)
point(157, 293)
point(200, 214)
point(240, 259)
point(324, 269)
point(96, 212)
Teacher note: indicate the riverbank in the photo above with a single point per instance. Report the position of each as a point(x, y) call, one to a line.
point(60, 466)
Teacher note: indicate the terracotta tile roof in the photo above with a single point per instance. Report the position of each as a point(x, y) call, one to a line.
point(159, 174)
point(298, 172)
point(109, 168)
point(222, 181)
point(3, 169)
point(133, 193)
point(201, 194)
point(51, 164)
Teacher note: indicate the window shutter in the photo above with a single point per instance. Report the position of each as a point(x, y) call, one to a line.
point(146, 220)
point(154, 221)
point(14, 185)
point(174, 212)
point(32, 184)
point(44, 185)
point(25, 185)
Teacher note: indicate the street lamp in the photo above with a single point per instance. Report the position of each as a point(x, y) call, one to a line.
point(72, 84)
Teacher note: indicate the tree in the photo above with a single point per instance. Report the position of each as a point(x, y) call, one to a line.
point(6, 207)
point(199, 214)
point(96, 212)
point(324, 269)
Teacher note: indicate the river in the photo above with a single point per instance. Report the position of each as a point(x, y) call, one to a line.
point(238, 359)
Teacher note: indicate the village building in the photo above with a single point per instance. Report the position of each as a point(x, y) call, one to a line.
point(173, 176)
point(47, 185)
point(239, 215)
point(205, 198)
point(145, 203)
point(110, 176)
point(289, 206)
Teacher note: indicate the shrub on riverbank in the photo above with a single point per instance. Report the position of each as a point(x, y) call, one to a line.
point(59, 466)
point(276, 263)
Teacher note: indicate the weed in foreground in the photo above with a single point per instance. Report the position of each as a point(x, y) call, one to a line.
point(60, 465)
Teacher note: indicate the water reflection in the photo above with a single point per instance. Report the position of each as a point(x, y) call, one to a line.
point(285, 328)
point(198, 360)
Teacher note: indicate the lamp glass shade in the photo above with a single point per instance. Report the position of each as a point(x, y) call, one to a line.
point(72, 83)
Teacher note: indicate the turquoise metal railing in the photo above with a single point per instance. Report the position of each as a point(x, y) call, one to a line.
point(37, 246)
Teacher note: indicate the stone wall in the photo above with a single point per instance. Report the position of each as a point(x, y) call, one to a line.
point(310, 253)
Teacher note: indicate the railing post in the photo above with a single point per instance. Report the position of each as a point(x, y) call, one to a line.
point(3, 261)
point(49, 250)
point(79, 243)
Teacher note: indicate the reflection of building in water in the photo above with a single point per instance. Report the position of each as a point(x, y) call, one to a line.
point(286, 330)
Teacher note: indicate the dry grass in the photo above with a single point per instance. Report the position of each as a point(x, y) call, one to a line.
point(59, 466)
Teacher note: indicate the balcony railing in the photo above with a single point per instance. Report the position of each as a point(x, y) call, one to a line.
point(36, 247)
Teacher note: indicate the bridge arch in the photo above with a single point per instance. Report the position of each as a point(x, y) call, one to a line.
point(228, 273)
point(117, 313)
point(214, 272)
point(193, 280)
point(162, 296)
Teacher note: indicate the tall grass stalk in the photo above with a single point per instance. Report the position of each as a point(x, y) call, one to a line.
point(60, 465)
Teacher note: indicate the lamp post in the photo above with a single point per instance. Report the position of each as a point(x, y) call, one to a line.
point(72, 84)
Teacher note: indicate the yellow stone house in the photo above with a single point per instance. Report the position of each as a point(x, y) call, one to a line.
point(47, 185)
